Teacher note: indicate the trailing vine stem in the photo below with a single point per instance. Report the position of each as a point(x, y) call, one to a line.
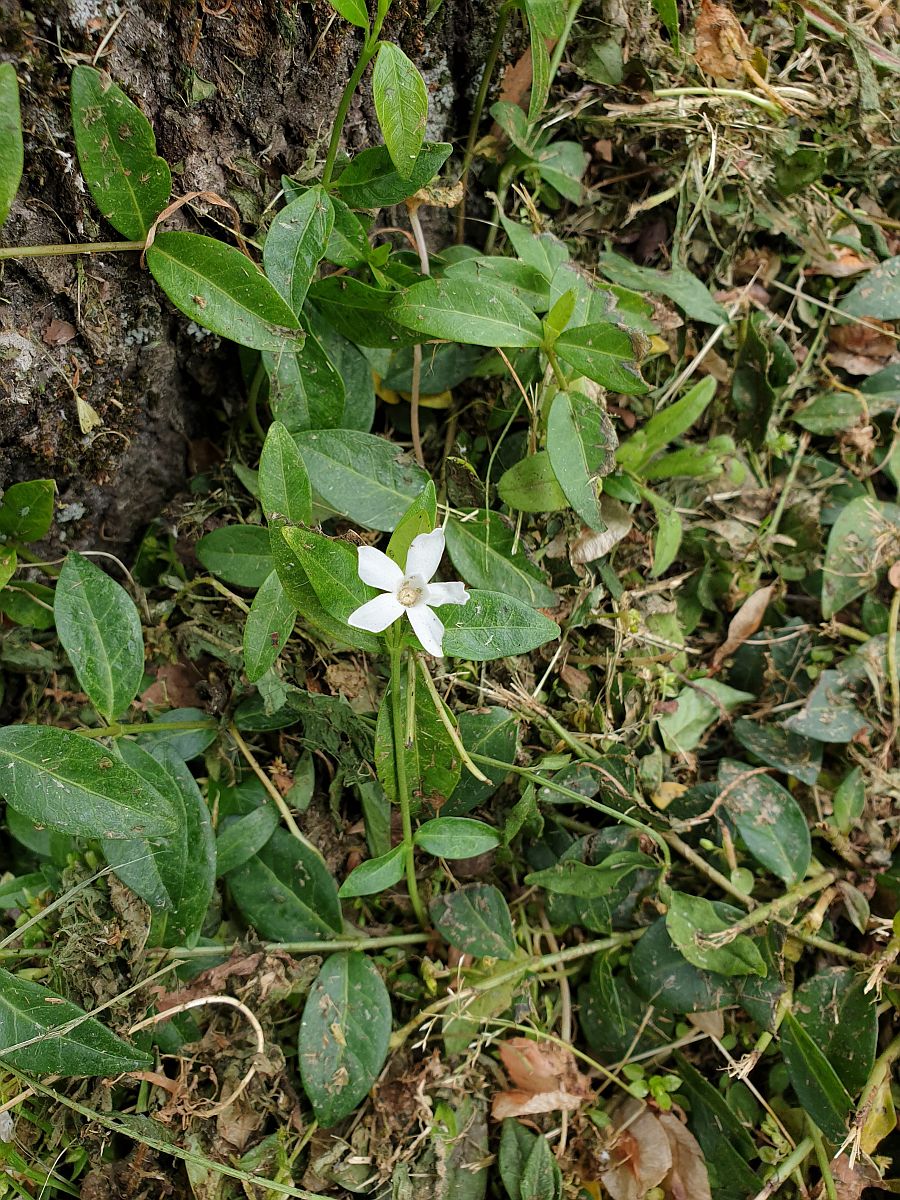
point(403, 799)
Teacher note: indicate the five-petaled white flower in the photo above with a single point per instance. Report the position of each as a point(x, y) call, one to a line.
point(410, 591)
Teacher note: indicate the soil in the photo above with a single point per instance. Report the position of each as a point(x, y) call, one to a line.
point(238, 92)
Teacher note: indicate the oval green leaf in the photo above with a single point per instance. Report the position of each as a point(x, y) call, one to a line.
point(456, 837)
point(401, 104)
point(372, 181)
point(284, 486)
point(12, 154)
point(581, 443)
point(375, 875)
point(604, 353)
point(492, 625)
point(221, 289)
point(99, 627)
point(128, 180)
point(691, 920)
point(476, 920)
point(530, 485)
point(296, 244)
point(269, 624)
point(484, 551)
point(26, 512)
point(459, 310)
point(286, 893)
point(768, 818)
point(239, 554)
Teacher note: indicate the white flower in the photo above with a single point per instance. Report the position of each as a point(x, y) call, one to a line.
point(410, 591)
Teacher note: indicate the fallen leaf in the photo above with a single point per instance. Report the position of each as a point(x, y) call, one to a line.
point(641, 1154)
point(668, 791)
point(541, 1067)
point(712, 1023)
point(88, 417)
point(58, 333)
point(867, 339)
point(689, 1177)
point(175, 686)
point(856, 364)
point(744, 623)
point(844, 262)
point(722, 46)
point(517, 1103)
point(590, 545)
point(851, 1180)
point(578, 683)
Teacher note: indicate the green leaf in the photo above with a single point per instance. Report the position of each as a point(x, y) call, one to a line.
point(221, 289)
point(724, 1140)
point(353, 11)
point(476, 920)
point(70, 783)
point(375, 875)
point(331, 566)
point(832, 412)
point(372, 181)
point(178, 875)
point(493, 732)
point(269, 624)
point(186, 743)
point(459, 310)
point(864, 539)
point(116, 148)
point(830, 713)
point(877, 294)
point(662, 976)
point(348, 245)
point(456, 837)
point(541, 1175)
point(362, 477)
point(540, 67)
point(697, 709)
point(296, 244)
point(27, 603)
point(678, 284)
point(581, 443)
point(99, 627)
point(493, 625)
point(669, 532)
point(841, 1017)
point(691, 918)
point(286, 893)
point(561, 165)
point(239, 554)
point(666, 425)
point(8, 561)
point(543, 251)
point(239, 838)
point(419, 518)
point(284, 486)
point(64, 1039)
point(605, 354)
point(667, 11)
point(344, 1035)
point(516, 1144)
point(306, 390)
point(303, 597)
point(26, 512)
point(530, 485)
point(777, 747)
point(484, 551)
point(768, 818)
point(431, 759)
point(849, 800)
point(359, 312)
point(514, 277)
point(12, 154)
point(756, 380)
point(570, 877)
point(814, 1079)
point(401, 104)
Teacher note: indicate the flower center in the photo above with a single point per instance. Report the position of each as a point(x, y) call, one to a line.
point(410, 591)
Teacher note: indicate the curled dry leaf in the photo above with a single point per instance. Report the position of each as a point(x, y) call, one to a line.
point(851, 1180)
point(545, 1078)
point(744, 623)
point(590, 545)
point(641, 1156)
point(688, 1178)
point(721, 43)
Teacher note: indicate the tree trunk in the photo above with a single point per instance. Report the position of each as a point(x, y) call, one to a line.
point(238, 92)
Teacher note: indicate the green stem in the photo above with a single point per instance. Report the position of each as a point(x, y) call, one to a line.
point(490, 64)
point(51, 251)
point(560, 48)
point(396, 647)
point(327, 947)
point(773, 910)
point(253, 400)
point(370, 48)
point(786, 1169)
point(822, 1159)
point(452, 731)
point(557, 372)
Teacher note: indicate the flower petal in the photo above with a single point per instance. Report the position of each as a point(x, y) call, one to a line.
point(377, 570)
point(428, 628)
point(425, 554)
point(446, 593)
point(376, 614)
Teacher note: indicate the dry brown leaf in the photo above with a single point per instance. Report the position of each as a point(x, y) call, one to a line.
point(856, 364)
point(641, 1156)
point(517, 1103)
point(844, 262)
point(541, 1067)
point(689, 1177)
point(851, 1181)
point(868, 339)
point(712, 1023)
point(722, 46)
point(590, 545)
point(744, 623)
point(58, 332)
point(578, 683)
point(175, 686)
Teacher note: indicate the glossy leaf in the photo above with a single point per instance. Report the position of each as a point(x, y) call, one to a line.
point(690, 919)
point(64, 1039)
point(493, 732)
point(581, 443)
point(662, 976)
point(401, 104)
point(459, 310)
point(129, 182)
point(306, 390)
point(768, 818)
point(284, 486)
point(375, 875)
point(286, 893)
point(26, 511)
point(492, 626)
point(841, 1017)
point(419, 518)
point(604, 353)
point(269, 624)
point(296, 244)
point(239, 554)
point(12, 154)
point(814, 1079)
point(530, 485)
point(361, 476)
point(177, 875)
point(431, 759)
point(353, 11)
point(221, 289)
point(855, 550)
point(344, 1034)
point(476, 920)
point(481, 549)
point(74, 785)
point(240, 837)
point(456, 837)
point(99, 627)
point(372, 181)
point(331, 566)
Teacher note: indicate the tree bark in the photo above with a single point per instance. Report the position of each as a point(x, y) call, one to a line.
point(238, 92)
